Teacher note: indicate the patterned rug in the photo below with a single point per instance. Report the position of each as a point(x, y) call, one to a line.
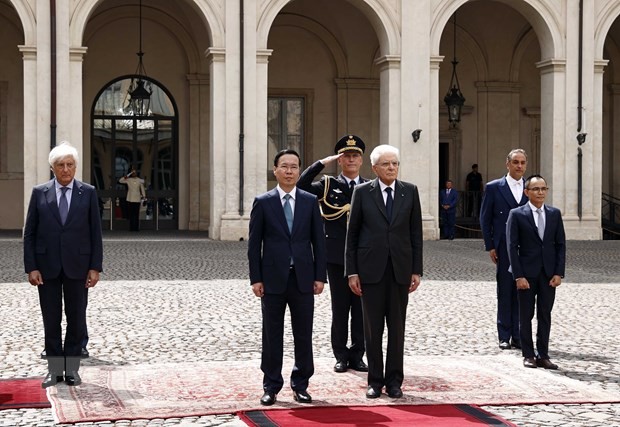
point(194, 389)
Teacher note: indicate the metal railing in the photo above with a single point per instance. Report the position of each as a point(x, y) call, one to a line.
point(610, 217)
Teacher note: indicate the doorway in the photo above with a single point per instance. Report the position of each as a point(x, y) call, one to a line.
point(127, 135)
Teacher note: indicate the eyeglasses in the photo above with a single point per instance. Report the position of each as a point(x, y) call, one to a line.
point(286, 167)
point(538, 189)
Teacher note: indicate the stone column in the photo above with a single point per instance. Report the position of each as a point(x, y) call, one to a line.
point(217, 139)
point(199, 124)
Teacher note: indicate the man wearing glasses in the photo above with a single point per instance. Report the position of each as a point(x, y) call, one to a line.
point(286, 253)
point(537, 252)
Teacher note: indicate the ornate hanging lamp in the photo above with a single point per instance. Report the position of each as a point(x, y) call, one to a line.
point(454, 99)
point(139, 95)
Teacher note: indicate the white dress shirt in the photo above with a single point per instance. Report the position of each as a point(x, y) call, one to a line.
point(516, 187)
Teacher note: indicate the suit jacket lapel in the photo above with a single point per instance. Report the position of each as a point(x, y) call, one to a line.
point(77, 198)
point(276, 206)
point(377, 195)
point(399, 196)
point(50, 196)
point(530, 219)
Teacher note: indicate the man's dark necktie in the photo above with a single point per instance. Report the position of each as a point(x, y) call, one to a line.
point(351, 185)
point(389, 203)
point(63, 205)
point(288, 212)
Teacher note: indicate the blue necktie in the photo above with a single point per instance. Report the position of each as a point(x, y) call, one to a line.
point(63, 205)
point(389, 203)
point(288, 212)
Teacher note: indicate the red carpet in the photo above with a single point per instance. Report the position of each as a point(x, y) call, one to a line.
point(23, 393)
point(384, 416)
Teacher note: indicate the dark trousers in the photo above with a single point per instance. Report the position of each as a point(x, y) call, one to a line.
point(133, 209)
point(51, 294)
point(507, 302)
point(385, 302)
point(301, 306)
point(541, 296)
point(449, 222)
point(344, 302)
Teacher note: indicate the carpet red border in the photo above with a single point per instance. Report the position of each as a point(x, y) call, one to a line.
point(475, 414)
point(21, 393)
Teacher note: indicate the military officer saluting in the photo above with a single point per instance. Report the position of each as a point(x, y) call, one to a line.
point(334, 195)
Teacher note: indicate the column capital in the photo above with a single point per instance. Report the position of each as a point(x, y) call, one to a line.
point(262, 55)
point(216, 54)
point(388, 61)
point(551, 65)
point(28, 52)
point(599, 65)
point(76, 54)
point(436, 61)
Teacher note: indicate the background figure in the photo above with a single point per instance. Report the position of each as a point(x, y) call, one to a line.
point(63, 255)
point(384, 264)
point(135, 193)
point(334, 195)
point(473, 184)
point(500, 196)
point(448, 199)
point(537, 251)
point(286, 253)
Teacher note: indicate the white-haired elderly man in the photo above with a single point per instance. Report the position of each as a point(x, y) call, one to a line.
point(63, 256)
point(384, 264)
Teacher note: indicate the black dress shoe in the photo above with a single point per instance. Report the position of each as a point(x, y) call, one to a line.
point(395, 392)
point(504, 345)
point(373, 392)
point(43, 354)
point(546, 363)
point(72, 378)
point(515, 344)
point(529, 362)
point(52, 378)
point(268, 399)
point(358, 366)
point(302, 396)
point(84, 354)
point(340, 366)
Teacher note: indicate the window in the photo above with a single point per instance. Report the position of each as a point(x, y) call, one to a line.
point(285, 117)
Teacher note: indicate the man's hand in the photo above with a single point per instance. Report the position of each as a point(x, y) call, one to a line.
point(522, 283)
point(35, 278)
point(493, 256)
point(355, 285)
point(555, 281)
point(415, 282)
point(329, 159)
point(258, 289)
point(318, 287)
point(92, 279)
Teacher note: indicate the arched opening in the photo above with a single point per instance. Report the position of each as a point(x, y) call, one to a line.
point(122, 138)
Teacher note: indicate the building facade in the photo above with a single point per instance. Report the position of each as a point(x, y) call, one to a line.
point(230, 82)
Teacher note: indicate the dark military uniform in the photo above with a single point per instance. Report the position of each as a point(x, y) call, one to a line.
point(334, 194)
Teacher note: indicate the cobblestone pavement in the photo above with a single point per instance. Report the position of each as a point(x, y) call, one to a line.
point(175, 297)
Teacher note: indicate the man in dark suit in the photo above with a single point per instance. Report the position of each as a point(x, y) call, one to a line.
point(286, 253)
point(448, 199)
point(334, 194)
point(63, 255)
point(537, 252)
point(383, 262)
point(500, 196)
